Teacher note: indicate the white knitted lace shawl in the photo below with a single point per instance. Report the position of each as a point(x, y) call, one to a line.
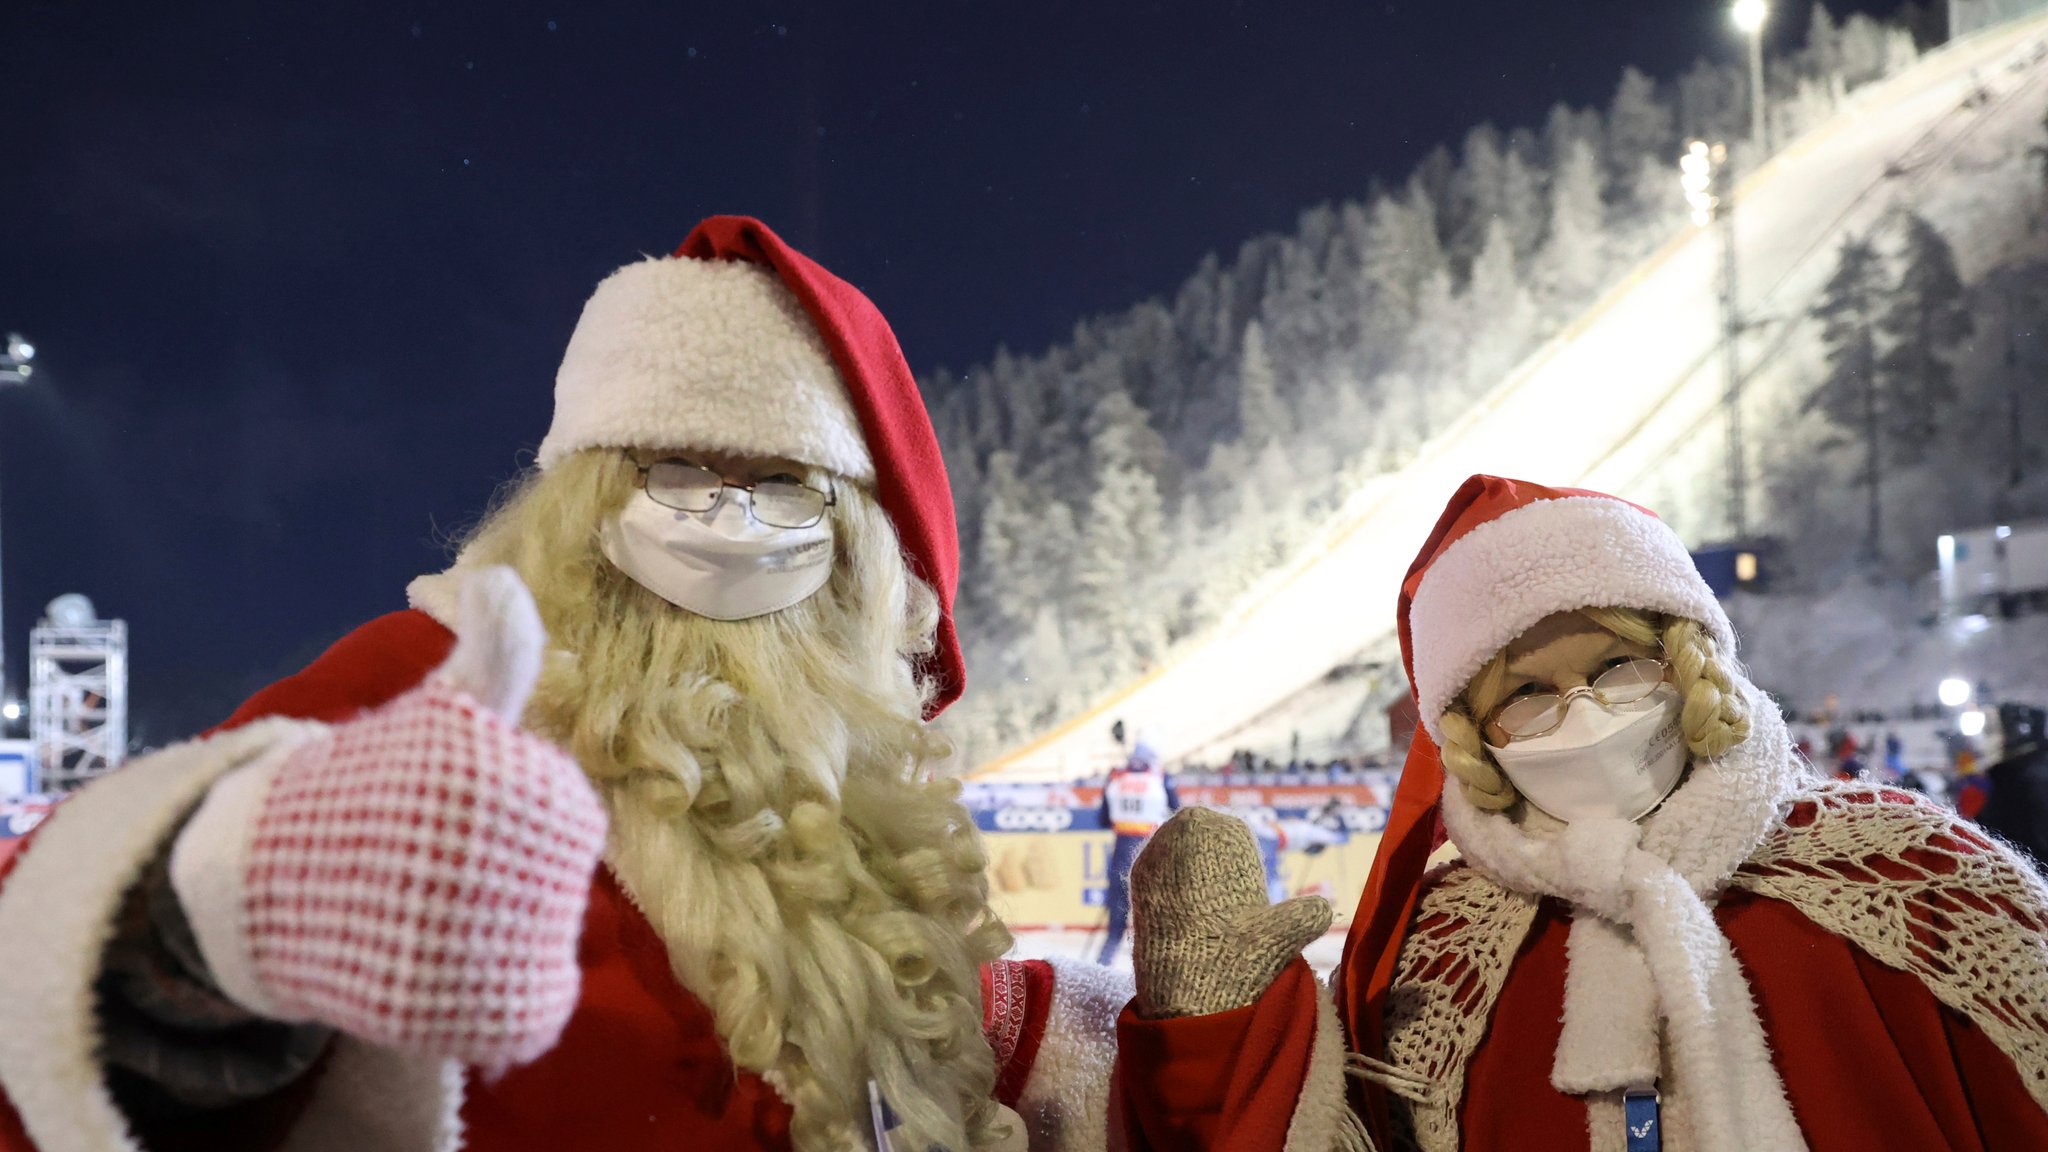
point(1909, 883)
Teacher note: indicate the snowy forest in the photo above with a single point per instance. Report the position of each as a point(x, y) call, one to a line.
point(1118, 491)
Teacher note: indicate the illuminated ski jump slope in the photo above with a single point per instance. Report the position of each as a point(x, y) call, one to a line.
point(1594, 407)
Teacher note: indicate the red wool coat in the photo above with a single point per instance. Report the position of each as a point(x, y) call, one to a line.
point(640, 1064)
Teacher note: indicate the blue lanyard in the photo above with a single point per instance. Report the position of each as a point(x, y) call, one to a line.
point(886, 1121)
point(1644, 1124)
point(884, 1118)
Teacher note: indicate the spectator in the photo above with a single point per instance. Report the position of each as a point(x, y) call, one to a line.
point(1972, 789)
point(1136, 800)
point(2017, 807)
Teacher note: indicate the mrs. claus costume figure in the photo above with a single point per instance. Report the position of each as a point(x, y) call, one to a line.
point(676, 875)
point(1663, 928)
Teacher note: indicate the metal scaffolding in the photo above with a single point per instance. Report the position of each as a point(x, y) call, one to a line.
point(78, 693)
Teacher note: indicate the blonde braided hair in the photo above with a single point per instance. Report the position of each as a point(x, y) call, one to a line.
point(1713, 717)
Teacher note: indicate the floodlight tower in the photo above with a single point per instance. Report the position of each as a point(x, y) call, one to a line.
point(78, 693)
point(1750, 16)
point(1703, 171)
point(15, 368)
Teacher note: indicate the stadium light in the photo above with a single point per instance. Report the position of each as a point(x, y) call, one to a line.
point(14, 364)
point(1703, 173)
point(1750, 16)
point(1954, 692)
point(11, 710)
point(1970, 723)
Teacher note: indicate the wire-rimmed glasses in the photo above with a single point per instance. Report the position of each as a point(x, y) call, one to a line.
point(688, 487)
point(1527, 717)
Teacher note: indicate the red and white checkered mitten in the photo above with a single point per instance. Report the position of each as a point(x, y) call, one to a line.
point(415, 876)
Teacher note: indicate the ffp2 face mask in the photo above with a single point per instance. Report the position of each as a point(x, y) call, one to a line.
point(1616, 761)
point(722, 564)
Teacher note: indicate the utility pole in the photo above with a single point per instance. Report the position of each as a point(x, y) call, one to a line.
point(2016, 448)
point(1703, 171)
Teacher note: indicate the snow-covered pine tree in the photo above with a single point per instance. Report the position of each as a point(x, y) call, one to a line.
point(1522, 205)
point(1478, 192)
point(1573, 261)
point(1433, 360)
point(1501, 314)
point(1639, 125)
point(1296, 321)
point(1821, 59)
point(1262, 415)
point(1566, 126)
point(1402, 253)
point(1122, 546)
point(1002, 552)
point(1925, 320)
point(1021, 395)
point(1867, 51)
point(1848, 392)
point(1713, 102)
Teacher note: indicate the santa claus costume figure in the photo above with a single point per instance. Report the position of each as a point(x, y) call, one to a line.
point(1664, 928)
point(624, 835)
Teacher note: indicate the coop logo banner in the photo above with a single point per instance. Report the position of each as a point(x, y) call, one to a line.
point(1078, 808)
point(1034, 807)
point(1018, 819)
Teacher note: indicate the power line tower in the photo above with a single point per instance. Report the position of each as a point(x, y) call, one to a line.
point(78, 693)
point(1703, 171)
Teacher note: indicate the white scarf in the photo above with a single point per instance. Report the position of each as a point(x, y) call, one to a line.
point(1646, 959)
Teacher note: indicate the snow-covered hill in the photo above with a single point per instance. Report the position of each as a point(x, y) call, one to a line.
point(1627, 398)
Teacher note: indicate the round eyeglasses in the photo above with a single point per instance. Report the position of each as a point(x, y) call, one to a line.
point(688, 487)
point(1527, 717)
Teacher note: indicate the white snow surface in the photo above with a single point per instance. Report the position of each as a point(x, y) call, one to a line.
point(1611, 403)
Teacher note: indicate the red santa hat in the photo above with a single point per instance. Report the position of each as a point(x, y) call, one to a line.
point(1504, 554)
point(740, 343)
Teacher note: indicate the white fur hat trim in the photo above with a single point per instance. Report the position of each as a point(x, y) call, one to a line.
point(1549, 556)
point(711, 354)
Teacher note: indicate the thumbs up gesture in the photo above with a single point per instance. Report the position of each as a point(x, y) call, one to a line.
point(415, 876)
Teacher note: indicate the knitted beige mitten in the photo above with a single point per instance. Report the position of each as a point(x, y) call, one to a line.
point(1204, 938)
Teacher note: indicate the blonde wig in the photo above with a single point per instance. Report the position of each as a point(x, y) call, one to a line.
point(774, 814)
point(1713, 716)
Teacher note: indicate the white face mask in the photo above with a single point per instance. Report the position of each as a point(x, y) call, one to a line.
point(722, 564)
point(1603, 761)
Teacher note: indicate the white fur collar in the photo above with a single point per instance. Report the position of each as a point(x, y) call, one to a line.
point(438, 594)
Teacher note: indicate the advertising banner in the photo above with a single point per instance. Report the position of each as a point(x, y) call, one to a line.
point(1049, 847)
point(1053, 881)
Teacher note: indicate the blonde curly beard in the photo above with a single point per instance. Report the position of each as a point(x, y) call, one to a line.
point(773, 813)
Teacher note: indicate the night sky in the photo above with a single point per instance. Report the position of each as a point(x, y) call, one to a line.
point(299, 281)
